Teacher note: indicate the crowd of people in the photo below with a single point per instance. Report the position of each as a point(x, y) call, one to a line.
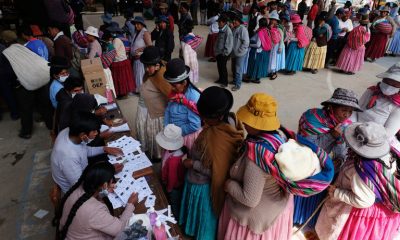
point(221, 183)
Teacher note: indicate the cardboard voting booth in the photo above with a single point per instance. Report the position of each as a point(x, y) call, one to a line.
point(95, 78)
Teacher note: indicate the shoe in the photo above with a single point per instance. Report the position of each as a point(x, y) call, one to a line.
point(231, 83)
point(350, 73)
point(223, 85)
point(256, 81)
point(314, 71)
point(273, 76)
point(24, 136)
point(218, 81)
point(235, 88)
point(246, 80)
point(212, 60)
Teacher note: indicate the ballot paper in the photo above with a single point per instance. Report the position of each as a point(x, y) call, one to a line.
point(127, 185)
point(127, 144)
point(121, 128)
point(111, 106)
point(116, 202)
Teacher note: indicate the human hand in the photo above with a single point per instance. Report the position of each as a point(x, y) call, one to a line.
point(106, 134)
point(331, 190)
point(188, 163)
point(118, 167)
point(133, 199)
point(337, 131)
point(113, 151)
point(226, 185)
point(101, 111)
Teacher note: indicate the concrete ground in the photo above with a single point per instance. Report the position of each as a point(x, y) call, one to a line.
point(25, 177)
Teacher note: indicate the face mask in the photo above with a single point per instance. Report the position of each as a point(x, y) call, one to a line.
point(63, 78)
point(387, 89)
point(87, 141)
point(103, 193)
point(73, 95)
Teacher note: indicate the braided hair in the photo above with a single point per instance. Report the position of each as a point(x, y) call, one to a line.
point(92, 178)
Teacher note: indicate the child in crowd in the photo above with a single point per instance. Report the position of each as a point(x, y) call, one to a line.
point(172, 173)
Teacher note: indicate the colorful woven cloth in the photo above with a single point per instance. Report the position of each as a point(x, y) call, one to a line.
point(180, 98)
point(358, 37)
point(303, 35)
point(193, 40)
point(379, 179)
point(376, 93)
point(319, 121)
point(265, 38)
point(108, 57)
point(261, 149)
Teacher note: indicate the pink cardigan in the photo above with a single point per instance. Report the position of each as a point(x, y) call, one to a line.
point(93, 220)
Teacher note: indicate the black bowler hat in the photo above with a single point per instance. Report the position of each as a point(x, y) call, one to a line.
point(176, 71)
point(150, 56)
point(214, 102)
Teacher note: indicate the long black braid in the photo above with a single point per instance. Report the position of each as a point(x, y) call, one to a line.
point(92, 178)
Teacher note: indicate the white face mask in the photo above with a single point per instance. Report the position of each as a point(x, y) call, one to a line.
point(387, 89)
point(87, 141)
point(62, 79)
point(73, 95)
point(103, 193)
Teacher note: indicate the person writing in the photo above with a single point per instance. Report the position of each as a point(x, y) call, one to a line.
point(85, 211)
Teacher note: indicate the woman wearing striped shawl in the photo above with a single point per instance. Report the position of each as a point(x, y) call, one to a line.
point(259, 202)
point(351, 58)
point(364, 202)
point(324, 128)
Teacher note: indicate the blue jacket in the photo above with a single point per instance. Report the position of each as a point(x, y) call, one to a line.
point(334, 23)
point(38, 47)
point(181, 116)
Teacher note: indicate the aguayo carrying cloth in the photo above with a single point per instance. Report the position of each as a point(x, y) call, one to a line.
point(32, 71)
point(379, 179)
point(262, 150)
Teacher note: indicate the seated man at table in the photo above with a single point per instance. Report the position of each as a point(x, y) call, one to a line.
point(70, 153)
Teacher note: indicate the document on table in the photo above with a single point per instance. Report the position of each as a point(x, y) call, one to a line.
point(127, 185)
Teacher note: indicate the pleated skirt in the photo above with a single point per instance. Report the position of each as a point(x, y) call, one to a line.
point(230, 229)
point(305, 206)
point(211, 40)
point(351, 60)
point(375, 48)
point(196, 215)
point(122, 77)
point(258, 64)
point(146, 130)
point(315, 56)
point(375, 222)
point(138, 70)
point(394, 47)
point(277, 60)
point(294, 57)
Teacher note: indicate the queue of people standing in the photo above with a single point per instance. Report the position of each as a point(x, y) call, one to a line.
point(221, 183)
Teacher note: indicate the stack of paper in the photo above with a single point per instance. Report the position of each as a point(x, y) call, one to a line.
point(127, 185)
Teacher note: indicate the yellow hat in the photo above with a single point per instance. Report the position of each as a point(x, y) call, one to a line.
point(260, 113)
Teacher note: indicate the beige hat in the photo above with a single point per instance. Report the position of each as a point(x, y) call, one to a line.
point(393, 73)
point(367, 139)
point(296, 161)
point(170, 138)
point(8, 36)
point(92, 31)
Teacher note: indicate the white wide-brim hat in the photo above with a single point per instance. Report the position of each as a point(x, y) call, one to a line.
point(392, 73)
point(170, 138)
point(367, 139)
point(92, 31)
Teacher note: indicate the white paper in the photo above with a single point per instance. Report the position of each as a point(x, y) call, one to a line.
point(100, 99)
point(150, 201)
point(115, 200)
point(122, 128)
point(111, 106)
point(104, 128)
point(41, 213)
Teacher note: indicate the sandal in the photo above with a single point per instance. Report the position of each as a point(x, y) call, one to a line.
point(273, 76)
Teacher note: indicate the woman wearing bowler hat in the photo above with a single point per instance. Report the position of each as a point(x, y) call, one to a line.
point(153, 101)
point(209, 161)
point(364, 201)
point(182, 109)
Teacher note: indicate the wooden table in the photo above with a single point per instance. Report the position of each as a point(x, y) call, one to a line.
point(151, 178)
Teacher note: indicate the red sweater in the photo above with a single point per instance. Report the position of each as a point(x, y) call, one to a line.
point(173, 172)
point(313, 12)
